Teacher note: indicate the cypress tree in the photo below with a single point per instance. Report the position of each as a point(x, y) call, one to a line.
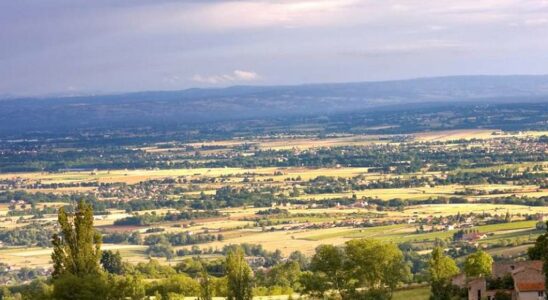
point(205, 284)
point(238, 275)
point(77, 248)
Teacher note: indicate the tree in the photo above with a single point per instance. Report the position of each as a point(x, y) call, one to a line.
point(37, 289)
point(502, 295)
point(238, 275)
point(112, 262)
point(69, 286)
point(161, 249)
point(314, 284)
point(327, 266)
point(283, 275)
point(126, 287)
point(206, 292)
point(373, 269)
point(441, 269)
point(219, 286)
point(76, 253)
point(540, 252)
point(326, 271)
point(363, 269)
point(135, 238)
point(5, 293)
point(177, 286)
point(77, 249)
point(508, 217)
point(478, 264)
point(300, 258)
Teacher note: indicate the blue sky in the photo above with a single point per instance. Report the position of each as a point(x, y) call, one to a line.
point(85, 47)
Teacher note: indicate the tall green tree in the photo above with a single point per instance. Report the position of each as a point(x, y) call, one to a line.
point(238, 275)
point(373, 269)
point(478, 264)
point(441, 269)
point(76, 253)
point(77, 248)
point(206, 292)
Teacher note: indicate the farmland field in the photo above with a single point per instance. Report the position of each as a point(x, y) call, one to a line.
point(292, 194)
point(421, 293)
point(298, 233)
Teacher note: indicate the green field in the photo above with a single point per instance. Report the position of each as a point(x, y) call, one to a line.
point(421, 293)
point(387, 232)
point(357, 233)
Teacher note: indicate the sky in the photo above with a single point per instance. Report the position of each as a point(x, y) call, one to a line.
point(74, 47)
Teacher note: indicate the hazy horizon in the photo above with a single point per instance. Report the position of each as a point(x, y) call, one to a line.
point(63, 47)
point(69, 94)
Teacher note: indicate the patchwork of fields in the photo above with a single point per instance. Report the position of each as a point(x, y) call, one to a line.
point(463, 189)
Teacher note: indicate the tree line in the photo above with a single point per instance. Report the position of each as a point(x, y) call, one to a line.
point(360, 269)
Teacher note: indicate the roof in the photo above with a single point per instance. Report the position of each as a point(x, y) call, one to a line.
point(530, 286)
point(528, 279)
point(473, 236)
point(502, 269)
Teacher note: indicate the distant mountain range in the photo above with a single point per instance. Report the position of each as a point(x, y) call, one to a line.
point(246, 102)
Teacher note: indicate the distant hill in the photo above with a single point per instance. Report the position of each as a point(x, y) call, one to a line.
point(246, 102)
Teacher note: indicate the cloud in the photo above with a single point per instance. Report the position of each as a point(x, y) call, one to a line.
point(245, 75)
point(406, 48)
point(223, 16)
point(161, 44)
point(235, 76)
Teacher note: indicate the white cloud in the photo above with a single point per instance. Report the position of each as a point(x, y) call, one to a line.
point(246, 14)
point(238, 15)
point(245, 75)
point(235, 76)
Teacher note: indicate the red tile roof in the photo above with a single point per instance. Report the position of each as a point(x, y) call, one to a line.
point(530, 286)
point(528, 279)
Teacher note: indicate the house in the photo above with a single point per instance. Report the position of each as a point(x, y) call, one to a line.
point(477, 289)
point(255, 261)
point(360, 204)
point(527, 276)
point(473, 236)
point(529, 284)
